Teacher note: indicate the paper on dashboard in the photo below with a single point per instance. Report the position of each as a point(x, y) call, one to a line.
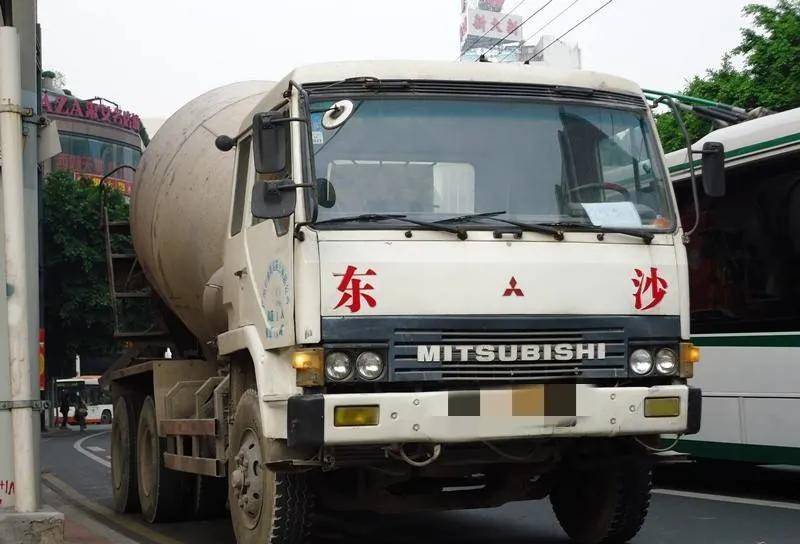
point(613, 214)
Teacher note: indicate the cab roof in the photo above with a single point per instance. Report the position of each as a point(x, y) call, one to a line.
point(482, 72)
point(460, 71)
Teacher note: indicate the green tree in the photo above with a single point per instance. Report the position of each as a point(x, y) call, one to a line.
point(769, 77)
point(77, 306)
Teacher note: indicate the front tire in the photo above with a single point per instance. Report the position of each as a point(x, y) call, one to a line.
point(604, 505)
point(266, 507)
point(105, 417)
point(123, 457)
point(163, 493)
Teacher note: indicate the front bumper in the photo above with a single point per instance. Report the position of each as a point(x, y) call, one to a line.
point(491, 414)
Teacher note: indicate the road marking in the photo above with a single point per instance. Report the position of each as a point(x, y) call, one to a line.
point(729, 499)
point(78, 445)
point(59, 486)
point(98, 449)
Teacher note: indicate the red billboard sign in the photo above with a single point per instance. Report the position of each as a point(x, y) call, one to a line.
point(69, 106)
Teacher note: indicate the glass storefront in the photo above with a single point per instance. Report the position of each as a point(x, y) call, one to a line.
point(93, 158)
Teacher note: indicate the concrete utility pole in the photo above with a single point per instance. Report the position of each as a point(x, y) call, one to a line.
point(22, 419)
point(18, 367)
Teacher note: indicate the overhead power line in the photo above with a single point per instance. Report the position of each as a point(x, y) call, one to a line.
point(495, 25)
point(579, 23)
point(501, 40)
point(540, 29)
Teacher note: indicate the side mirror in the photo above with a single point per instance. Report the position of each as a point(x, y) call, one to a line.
point(326, 194)
point(270, 142)
point(273, 199)
point(714, 169)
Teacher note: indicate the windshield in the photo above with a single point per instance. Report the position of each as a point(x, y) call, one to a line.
point(435, 159)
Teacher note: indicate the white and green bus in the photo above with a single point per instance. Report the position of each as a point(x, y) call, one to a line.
point(744, 263)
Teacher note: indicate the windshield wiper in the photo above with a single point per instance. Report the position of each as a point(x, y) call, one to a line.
point(468, 217)
point(364, 217)
point(374, 217)
point(531, 227)
point(647, 237)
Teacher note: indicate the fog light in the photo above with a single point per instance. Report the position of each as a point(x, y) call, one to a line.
point(666, 361)
point(356, 416)
point(641, 362)
point(662, 407)
point(369, 365)
point(338, 366)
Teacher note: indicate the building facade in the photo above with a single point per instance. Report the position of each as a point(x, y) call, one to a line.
point(96, 136)
point(552, 52)
point(488, 33)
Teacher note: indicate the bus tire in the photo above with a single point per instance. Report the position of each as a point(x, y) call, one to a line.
point(105, 417)
point(163, 493)
point(603, 505)
point(266, 507)
point(123, 457)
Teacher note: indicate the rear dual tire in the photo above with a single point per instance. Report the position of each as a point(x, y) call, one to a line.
point(164, 494)
point(123, 457)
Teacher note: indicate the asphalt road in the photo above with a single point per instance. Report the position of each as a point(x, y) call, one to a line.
point(698, 504)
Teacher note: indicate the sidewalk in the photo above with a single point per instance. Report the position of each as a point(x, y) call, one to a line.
point(80, 528)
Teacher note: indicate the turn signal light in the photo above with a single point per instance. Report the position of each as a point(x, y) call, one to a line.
point(309, 364)
point(690, 355)
point(356, 416)
point(662, 407)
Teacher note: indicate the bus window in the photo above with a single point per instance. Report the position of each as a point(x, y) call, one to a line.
point(744, 258)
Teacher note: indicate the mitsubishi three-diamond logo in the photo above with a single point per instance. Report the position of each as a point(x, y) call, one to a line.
point(513, 290)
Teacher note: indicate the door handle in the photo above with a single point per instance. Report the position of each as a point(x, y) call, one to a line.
point(241, 272)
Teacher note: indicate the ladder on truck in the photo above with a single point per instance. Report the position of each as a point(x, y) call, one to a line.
point(133, 301)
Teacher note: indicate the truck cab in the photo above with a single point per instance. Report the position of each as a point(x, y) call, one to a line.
point(449, 285)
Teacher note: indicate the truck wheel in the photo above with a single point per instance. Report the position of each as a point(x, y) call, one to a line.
point(105, 417)
point(602, 506)
point(163, 493)
point(123, 457)
point(266, 507)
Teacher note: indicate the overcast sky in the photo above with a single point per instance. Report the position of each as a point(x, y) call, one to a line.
point(151, 56)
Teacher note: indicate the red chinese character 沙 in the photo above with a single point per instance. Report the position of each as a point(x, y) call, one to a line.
point(650, 289)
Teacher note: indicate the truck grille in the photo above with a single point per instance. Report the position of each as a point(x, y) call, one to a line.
point(406, 366)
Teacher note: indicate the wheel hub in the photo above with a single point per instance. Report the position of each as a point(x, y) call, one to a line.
point(247, 480)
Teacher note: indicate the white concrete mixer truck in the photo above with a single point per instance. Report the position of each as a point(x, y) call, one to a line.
point(406, 286)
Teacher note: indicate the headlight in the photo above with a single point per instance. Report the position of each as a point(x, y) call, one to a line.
point(369, 365)
point(666, 361)
point(338, 366)
point(641, 362)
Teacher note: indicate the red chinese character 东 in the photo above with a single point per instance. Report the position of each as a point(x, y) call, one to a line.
point(652, 287)
point(353, 289)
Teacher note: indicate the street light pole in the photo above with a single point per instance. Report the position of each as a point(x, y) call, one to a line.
point(23, 416)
